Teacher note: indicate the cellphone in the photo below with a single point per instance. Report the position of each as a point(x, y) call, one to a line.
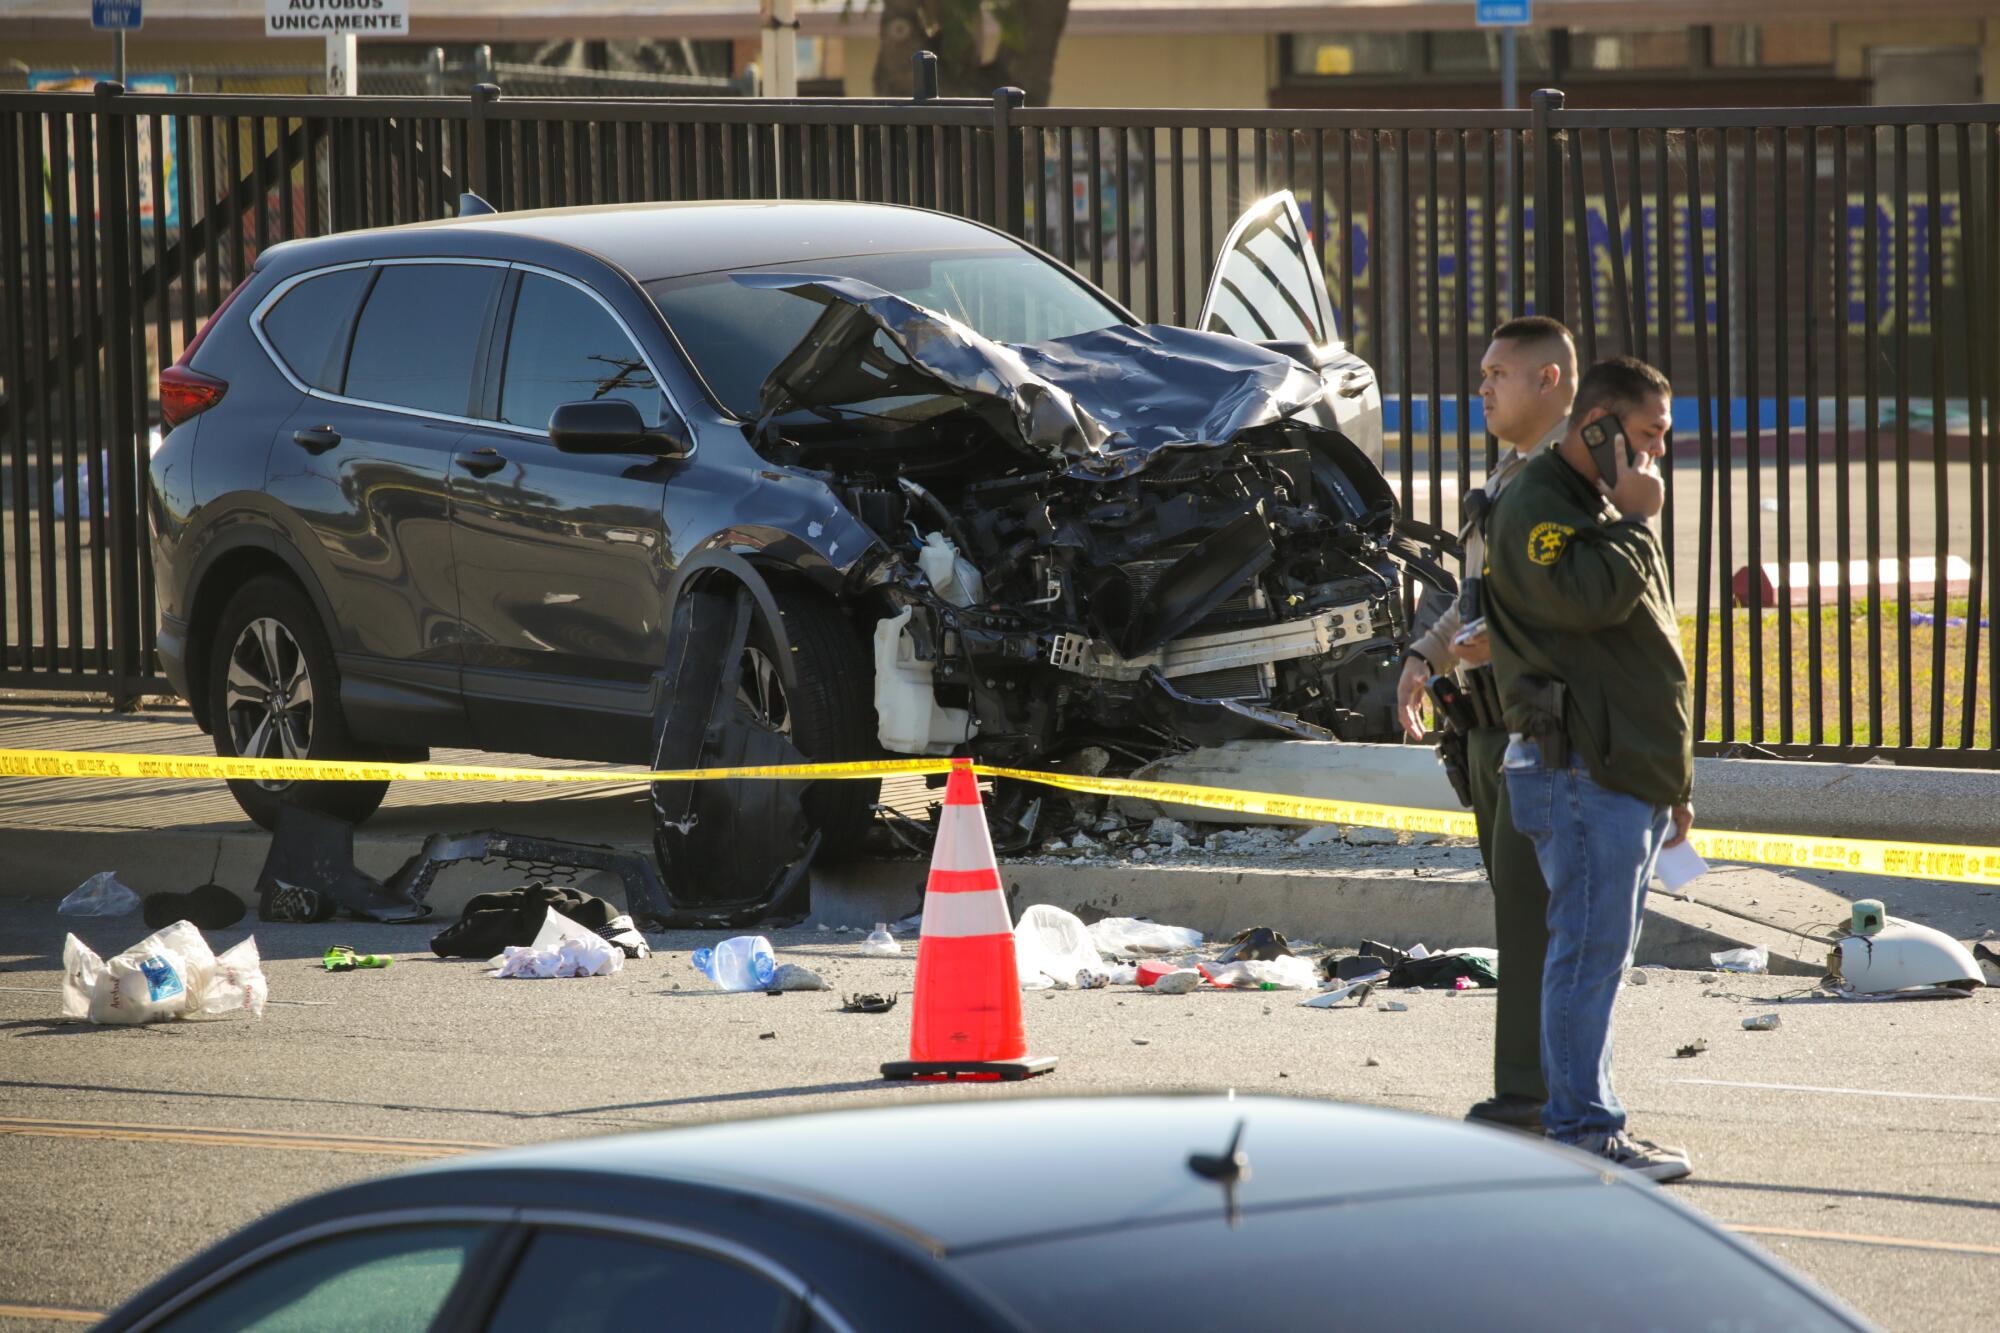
point(1603, 441)
point(1472, 630)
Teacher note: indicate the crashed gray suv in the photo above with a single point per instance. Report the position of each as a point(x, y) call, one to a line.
point(689, 484)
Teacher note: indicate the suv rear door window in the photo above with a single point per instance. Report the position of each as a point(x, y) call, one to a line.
point(308, 326)
point(418, 336)
point(566, 348)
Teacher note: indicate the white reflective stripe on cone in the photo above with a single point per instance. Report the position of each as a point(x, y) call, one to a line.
point(962, 840)
point(961, 915)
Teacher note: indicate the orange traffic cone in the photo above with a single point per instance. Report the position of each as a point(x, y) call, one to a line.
point(966, 1021)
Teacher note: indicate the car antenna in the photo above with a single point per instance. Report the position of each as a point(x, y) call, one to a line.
point(471, 205)
point(1229, 1168)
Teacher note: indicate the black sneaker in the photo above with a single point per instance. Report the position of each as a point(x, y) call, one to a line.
point(1647, 1159)
point(1509, 1110)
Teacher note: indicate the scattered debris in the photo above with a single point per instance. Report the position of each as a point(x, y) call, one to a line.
point(561, 948)
point(1259, 943)
point(1707, 977)
point(1286, 973)
point(1356, 836)
point(1371, 1063)
point(1052, 943)
point(1754, 961)
point(790, 977)
point(868, 1004)
point(767, 1036)
point(514, 917)
point(1393, 1007)
point(172, 973)
point(342, 958)
point(1319, 835)
point(1125, 937)
point(1360, 990)
point(743, 962)
point(880, 943)
point(639, 878)
point(309, 874)
point(1178, 982)
point(100, 895)
point(1761, 1023)
point(210, 907)
point(1635, 978)
point(1692, 1049)
point(1141, 1041)
point(1898, 957)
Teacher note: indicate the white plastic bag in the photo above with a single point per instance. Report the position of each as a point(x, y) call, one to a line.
point(562, 948)
point(100, 895)
point(171, 973)
point(1287, 973)
point(1052, 943)
point(1757, 960)
point(1122, 936)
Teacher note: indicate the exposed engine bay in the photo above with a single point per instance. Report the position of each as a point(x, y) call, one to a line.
point(1133, 540)
point(1145, 533)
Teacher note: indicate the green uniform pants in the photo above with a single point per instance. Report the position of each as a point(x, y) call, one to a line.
point(1520, 920)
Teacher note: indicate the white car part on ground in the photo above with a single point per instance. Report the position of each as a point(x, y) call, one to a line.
point(1903, 957)
point(172, 973)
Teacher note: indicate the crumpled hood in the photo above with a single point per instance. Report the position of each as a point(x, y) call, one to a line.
point(1101, 403)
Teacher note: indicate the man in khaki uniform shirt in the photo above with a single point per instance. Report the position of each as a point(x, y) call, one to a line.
point(1527, 382)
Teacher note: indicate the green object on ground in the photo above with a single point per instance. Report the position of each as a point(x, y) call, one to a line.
point(341, 958)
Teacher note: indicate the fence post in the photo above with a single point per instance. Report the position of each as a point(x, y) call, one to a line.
point(479, 171)
point(116, 223)
point(1547, 194)
point(923, 77)
point(1008, 212)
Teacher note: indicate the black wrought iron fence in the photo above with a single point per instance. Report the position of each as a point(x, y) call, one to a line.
point(1821, 284)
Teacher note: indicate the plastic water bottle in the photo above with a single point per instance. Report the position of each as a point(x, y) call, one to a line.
point(745, 962)
point(880, 943)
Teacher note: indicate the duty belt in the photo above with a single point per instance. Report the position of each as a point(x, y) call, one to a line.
point(1482, 690)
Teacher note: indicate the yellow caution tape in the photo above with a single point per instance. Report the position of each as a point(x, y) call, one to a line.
point(1954, 863)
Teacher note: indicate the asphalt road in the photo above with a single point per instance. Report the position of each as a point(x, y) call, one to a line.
point(1863, 1139)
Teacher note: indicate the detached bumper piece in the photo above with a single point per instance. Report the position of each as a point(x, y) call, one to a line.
point(309, 875)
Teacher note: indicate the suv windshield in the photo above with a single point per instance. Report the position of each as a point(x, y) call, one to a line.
point(736, 334)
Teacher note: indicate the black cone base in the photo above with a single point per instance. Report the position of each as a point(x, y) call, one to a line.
point(1004, 1071)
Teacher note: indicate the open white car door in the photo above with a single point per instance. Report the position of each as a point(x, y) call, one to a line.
point(1269, 287)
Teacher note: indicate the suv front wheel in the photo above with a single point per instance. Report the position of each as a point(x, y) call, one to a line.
point(273, 694)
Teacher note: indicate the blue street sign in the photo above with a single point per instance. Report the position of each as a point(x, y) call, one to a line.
point(116, 15)
point(1503, 13)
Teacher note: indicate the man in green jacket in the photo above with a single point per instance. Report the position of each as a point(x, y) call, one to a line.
point(1599, 767)
point(1526, 381)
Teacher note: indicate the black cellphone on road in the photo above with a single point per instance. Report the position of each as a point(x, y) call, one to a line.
point(1601, 439)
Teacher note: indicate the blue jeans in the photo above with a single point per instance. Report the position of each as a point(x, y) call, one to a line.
point(1596, 848)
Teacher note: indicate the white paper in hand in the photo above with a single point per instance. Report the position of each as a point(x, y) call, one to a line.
point(1678, 865)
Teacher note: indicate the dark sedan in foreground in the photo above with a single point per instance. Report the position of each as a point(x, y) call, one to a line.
point(1191, 1213)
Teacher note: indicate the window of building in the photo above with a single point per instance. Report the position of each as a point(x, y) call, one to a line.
point(1477, 54)
point(1628, 48)
point(1770, 45)
point(1344, 55)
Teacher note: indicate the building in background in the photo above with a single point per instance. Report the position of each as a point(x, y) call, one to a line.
point(1187, 53)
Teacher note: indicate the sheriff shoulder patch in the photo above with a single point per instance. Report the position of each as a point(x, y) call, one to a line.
point(1546, 542)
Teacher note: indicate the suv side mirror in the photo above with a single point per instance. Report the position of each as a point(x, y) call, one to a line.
point(612, 426)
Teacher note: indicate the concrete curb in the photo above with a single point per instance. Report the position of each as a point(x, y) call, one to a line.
point(1744, 795)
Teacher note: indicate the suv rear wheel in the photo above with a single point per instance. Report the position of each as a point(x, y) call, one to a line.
point(273, 694)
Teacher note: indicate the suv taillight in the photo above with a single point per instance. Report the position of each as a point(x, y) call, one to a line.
point(186, 393)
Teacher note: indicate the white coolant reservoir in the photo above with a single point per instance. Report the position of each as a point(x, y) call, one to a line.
point(909, 718)
point(955, 578)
